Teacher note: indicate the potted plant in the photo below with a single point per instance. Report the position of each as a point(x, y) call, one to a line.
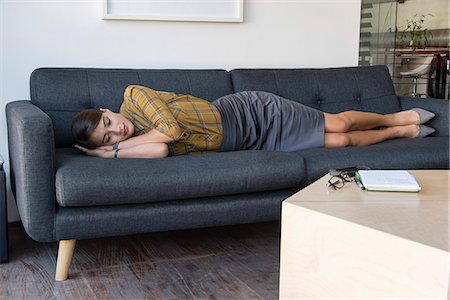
point(415, 34)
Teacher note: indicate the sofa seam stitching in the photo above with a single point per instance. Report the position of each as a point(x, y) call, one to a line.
point(139, 78)
point(276, 82)
point(89, 88)
point(189, 84)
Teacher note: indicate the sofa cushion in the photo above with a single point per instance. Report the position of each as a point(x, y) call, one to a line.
point(419, 153)
point(88, 181)
point(113, 220)
point(331, 90)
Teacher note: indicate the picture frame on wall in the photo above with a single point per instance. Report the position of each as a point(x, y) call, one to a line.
point(175, 10)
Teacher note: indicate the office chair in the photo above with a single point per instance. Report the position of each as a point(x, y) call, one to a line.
point(417, 66)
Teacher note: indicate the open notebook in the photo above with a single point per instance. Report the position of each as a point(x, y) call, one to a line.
point(388, 180)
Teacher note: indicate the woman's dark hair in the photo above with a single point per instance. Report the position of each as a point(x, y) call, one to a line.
point(83, 124)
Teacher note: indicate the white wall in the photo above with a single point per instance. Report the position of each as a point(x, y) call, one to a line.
point(276, 33)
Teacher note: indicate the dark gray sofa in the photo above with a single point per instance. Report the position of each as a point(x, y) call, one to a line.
point(62, 194)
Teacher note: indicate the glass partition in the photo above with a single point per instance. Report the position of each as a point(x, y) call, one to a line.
point(422, 48)
point(377, 34)
point(410, 37)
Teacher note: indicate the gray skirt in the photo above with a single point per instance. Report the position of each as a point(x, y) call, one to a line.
point(257, 120)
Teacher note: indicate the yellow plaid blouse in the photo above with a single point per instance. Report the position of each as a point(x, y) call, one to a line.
point(194, 124)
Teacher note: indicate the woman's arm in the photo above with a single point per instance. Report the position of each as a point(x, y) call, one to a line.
point(146, 150)
point(153, 136)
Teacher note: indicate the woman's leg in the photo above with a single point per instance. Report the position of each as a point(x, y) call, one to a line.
point(369, 137)
point(357, 120)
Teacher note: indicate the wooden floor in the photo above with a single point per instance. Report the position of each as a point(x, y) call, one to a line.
point(231, 262)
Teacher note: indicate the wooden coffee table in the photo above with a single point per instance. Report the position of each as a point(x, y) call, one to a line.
point(351, 244)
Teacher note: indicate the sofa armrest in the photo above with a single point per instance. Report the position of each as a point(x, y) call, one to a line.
point(31, 150)
point(440, 107)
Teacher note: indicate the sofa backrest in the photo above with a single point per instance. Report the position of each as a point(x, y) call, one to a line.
point(63, 92)
point(330, 90)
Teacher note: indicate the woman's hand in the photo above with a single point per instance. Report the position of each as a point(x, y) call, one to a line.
point(97, 152)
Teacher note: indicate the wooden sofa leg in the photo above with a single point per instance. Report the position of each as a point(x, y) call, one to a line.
point(65, 253)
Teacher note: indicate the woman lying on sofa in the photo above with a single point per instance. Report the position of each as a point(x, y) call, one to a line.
point(154, 124)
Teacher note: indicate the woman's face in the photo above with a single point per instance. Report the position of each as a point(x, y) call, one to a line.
point(111, 129)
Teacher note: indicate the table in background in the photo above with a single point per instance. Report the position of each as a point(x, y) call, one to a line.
point(349, 243)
